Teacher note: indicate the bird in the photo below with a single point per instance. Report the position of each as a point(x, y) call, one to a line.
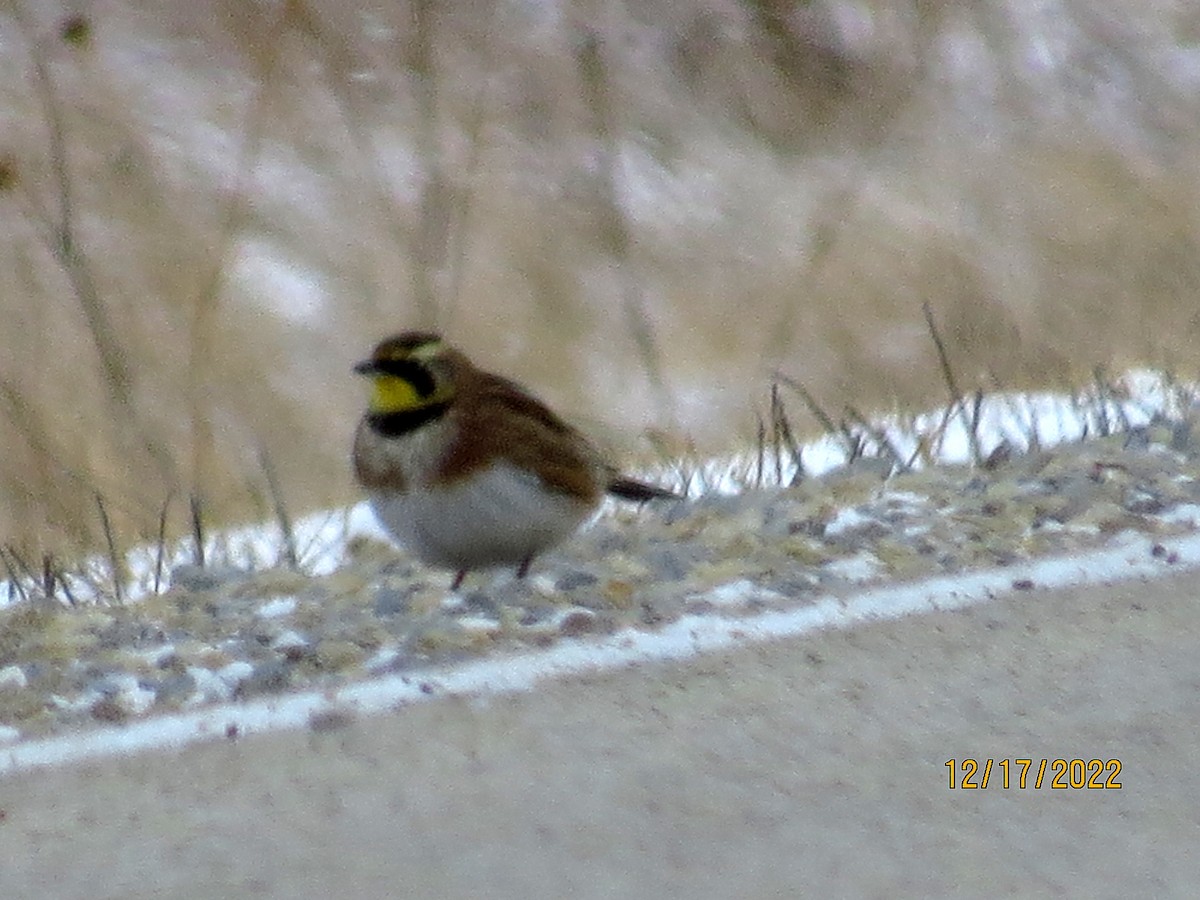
point(467, 469)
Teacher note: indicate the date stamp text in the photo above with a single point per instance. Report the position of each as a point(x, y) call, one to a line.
point(1025, 774)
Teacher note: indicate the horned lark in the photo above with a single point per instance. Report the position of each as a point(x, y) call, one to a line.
point(466, 469)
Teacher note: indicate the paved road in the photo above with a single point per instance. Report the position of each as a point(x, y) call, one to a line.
point(812, 766)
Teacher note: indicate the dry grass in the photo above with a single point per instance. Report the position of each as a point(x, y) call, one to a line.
point(211, 209)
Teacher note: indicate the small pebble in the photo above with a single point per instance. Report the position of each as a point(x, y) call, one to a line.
point(12, 678)
point(205, 578)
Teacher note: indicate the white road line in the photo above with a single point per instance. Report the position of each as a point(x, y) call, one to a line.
point(1129, 557)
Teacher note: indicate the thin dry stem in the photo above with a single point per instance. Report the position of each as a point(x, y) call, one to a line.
point(62, 238)
point(48, 575)
point(784, 438)
point(880, 437)
point(957, 400)
point(160, 548)
point(838, 430)
point(281, 513)
point(66, 587)
point(434, 222)
point(14, 580)
point(195, 507)
point(26, 572)
point(760, 446)
point(114, 559)
point(612, 227)
point(202, 333)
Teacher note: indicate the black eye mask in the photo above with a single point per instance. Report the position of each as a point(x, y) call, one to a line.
point(413, 372)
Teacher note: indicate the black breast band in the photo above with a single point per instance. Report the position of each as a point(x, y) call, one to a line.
point(395, 424)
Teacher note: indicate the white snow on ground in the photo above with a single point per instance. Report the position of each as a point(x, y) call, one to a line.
point(1130, 557)
point(1021, 421)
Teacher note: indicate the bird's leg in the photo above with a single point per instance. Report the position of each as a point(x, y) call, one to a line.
point(523, 569)
point(458, 579)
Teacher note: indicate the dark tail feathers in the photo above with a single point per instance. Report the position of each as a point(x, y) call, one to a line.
point(637, 491)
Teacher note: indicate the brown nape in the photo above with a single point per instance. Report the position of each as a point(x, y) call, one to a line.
point(637, 491)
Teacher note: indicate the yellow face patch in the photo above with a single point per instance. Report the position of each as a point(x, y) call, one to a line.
point(392, 394)
point(407, 375)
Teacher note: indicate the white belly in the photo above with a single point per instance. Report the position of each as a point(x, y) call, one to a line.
point(498, 517)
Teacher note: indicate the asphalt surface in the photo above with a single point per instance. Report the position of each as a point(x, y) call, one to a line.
point(813, 766)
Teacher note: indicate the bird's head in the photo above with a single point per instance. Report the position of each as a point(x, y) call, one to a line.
point(409, 372)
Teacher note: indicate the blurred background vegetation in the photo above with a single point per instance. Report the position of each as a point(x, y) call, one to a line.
point(210, 210)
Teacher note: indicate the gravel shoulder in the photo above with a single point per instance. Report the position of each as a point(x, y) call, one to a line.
point(224, 633)
point(814, 764)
